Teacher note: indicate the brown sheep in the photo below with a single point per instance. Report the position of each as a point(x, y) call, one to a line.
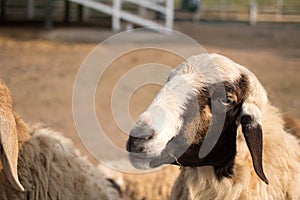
point(42, 164)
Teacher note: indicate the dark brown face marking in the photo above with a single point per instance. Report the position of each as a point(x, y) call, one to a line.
point(197, 120)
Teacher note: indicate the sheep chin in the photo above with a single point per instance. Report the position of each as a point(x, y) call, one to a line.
point(158, 161)
point(139, 162)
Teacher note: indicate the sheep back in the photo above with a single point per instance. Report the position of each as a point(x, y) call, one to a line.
point(49, 167)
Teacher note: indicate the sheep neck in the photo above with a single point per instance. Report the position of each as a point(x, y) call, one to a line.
point(221, 157)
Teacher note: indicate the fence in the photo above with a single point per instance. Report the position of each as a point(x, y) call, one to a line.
point(119, 10)
point(159, 13)
point(249, 10)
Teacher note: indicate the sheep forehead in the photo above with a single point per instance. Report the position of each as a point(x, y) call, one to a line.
point(211, 68)
point(214, 68)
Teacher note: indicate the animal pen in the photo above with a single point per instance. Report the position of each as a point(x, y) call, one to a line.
point(148, 13)
point(53, 10)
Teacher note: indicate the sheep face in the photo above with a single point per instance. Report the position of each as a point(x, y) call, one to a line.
point(184, 118)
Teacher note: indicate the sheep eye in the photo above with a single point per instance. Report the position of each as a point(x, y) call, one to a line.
point(226, 101)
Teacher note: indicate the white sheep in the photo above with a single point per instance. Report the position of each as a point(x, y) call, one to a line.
point(214, 119)
point(42, 164)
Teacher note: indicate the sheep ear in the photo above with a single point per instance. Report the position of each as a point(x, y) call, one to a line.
point(252, 130)
point(9, 147)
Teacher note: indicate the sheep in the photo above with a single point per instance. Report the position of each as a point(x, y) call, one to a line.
point(249, 156)
point(156, 185)
point(292, 124)
point(38, 163)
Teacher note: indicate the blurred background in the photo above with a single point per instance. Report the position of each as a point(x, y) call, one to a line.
point(44, 42)
point(147, 12)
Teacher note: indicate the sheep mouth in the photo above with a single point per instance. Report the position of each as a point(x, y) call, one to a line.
point(146, 162)
point(138, 156)
point(177, 151)
point(140, 160)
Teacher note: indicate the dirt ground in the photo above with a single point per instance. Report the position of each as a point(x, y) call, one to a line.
point(40, 68)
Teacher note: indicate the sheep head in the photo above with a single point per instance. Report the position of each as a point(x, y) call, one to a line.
point(10, 123)
point(193, 120)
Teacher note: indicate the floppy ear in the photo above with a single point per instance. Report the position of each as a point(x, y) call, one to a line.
point(9, 148)
point(252, 130)
point(8, 138)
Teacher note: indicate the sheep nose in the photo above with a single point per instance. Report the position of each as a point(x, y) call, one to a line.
point(142, 131)
point(138, 136)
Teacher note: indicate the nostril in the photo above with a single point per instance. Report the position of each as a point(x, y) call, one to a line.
point(137, 137)
point(149, 135)
point(140, 149)
point(133, 145)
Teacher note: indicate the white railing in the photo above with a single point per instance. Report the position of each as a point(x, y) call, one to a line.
point(165, 7)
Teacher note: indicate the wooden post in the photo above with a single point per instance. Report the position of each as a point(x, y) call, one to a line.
point(3, 10)
point(253, 12)
point(48, 24)
point(279, 8)
point(169, 14)
point(30, 9)
point(67, 11)
point(142, 11)
point(86, 13)
point(197, 13)
point(79, 13)
point(116, 20)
